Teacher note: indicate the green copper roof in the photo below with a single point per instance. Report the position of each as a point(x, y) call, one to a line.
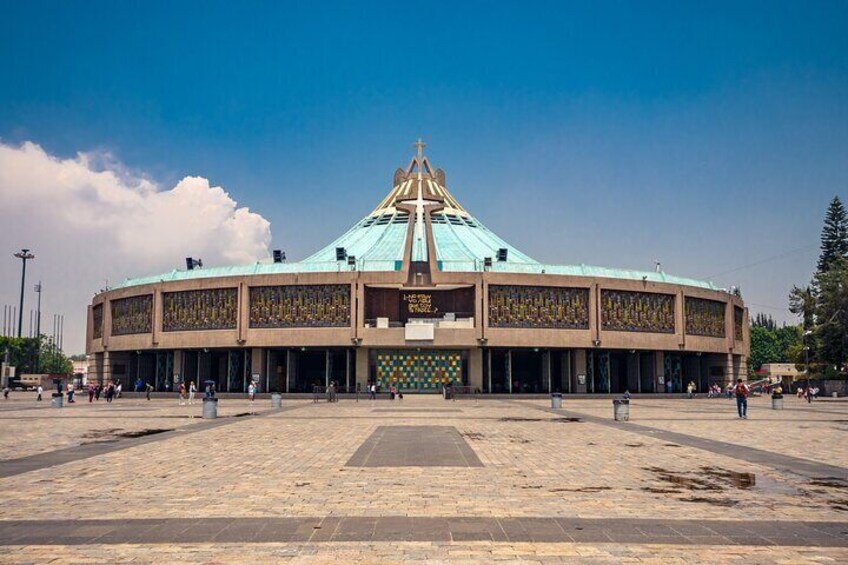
point(378, 242)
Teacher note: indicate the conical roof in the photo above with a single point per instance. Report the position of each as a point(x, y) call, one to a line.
point(382, 239)
point(418, 216)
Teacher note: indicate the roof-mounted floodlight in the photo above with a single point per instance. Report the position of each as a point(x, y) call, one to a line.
point(192, 263)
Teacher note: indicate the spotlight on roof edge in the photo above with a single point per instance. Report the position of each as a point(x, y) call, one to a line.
point(192, 263)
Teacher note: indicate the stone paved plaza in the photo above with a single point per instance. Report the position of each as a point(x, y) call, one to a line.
point(423, 480)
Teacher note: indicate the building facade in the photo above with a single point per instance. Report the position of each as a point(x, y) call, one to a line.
point(419, 294)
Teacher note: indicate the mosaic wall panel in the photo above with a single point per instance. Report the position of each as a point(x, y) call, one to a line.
point(738, 320)
point(705, 317)
point(97, 321)
point(538, 307)
point(300, 306)
point(191, 310)
point(626, 311)
point(132, 315)
point(424, 370)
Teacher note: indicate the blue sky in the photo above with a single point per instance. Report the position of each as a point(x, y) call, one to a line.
point(707, 135)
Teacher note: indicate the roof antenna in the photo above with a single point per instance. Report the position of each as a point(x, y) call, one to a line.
point(657, 266)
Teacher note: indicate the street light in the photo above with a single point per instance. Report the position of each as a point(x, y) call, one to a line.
point(24, 255)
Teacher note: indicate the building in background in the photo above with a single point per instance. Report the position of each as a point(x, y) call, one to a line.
point(418, 294)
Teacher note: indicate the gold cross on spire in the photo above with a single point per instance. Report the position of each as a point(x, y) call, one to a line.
point(420, 145)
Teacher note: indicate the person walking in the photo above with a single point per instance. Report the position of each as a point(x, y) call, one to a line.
point(251, 391)
point(192, 390)
point(110, 393)
point(148, 390)
point(6, 391)
point(40, 390)
point(90, 392)
point(372, 392)
point(741, 390)
point(97, 390)
point(118, 390)
point(808, 394)
point(182, 394)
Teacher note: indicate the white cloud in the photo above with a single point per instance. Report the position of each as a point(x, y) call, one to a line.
point(89, 219)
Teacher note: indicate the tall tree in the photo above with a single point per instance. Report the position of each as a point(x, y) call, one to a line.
point(832, 315)
point(764, 321)
point(802, 302)
point(765, 348)
point(834, 237)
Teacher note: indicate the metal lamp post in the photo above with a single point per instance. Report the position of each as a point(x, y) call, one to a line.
point(24, 255)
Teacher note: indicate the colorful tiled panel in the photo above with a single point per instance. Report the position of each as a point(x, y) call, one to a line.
point(97, 321)
point(705, 317)
point(191, 310)
point(132, 315)
point(418, 370)
point(300, 306)
point(738, 320)
point(538, 307)
point(626, 311)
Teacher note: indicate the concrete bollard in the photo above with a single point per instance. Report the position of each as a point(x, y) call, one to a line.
point(835, 395)
point(58, 400)
point(621, 410)
point(210, 408)
point(276, 400)
point(777, 403)
point(556, 400)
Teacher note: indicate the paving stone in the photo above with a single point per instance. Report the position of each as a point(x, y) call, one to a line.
point(253, 489)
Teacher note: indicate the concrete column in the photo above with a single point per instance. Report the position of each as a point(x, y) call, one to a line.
point(107, 323)
point(475, 368)
point(579, 370)
point(258, 366)
point(106, 368)
point(362, 367)
point(728, 324)
point(743, 365)
point(729, 374)
point(243, 314)
point(157, 316)
point(594, 314)
point(177, 375)
point(659, 371)
point(546, 370)
point(95, 370)
point(633, 369)
point(737, 367)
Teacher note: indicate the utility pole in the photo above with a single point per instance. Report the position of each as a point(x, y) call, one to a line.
point(807, 358)
point(38, 310)
point(24, 256)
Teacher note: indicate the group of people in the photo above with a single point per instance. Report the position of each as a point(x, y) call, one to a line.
point(190, 391)
point(110, 391)
point(808, 392)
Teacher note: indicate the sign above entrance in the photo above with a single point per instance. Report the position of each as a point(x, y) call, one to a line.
point(402, 305)
point(419, 303)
